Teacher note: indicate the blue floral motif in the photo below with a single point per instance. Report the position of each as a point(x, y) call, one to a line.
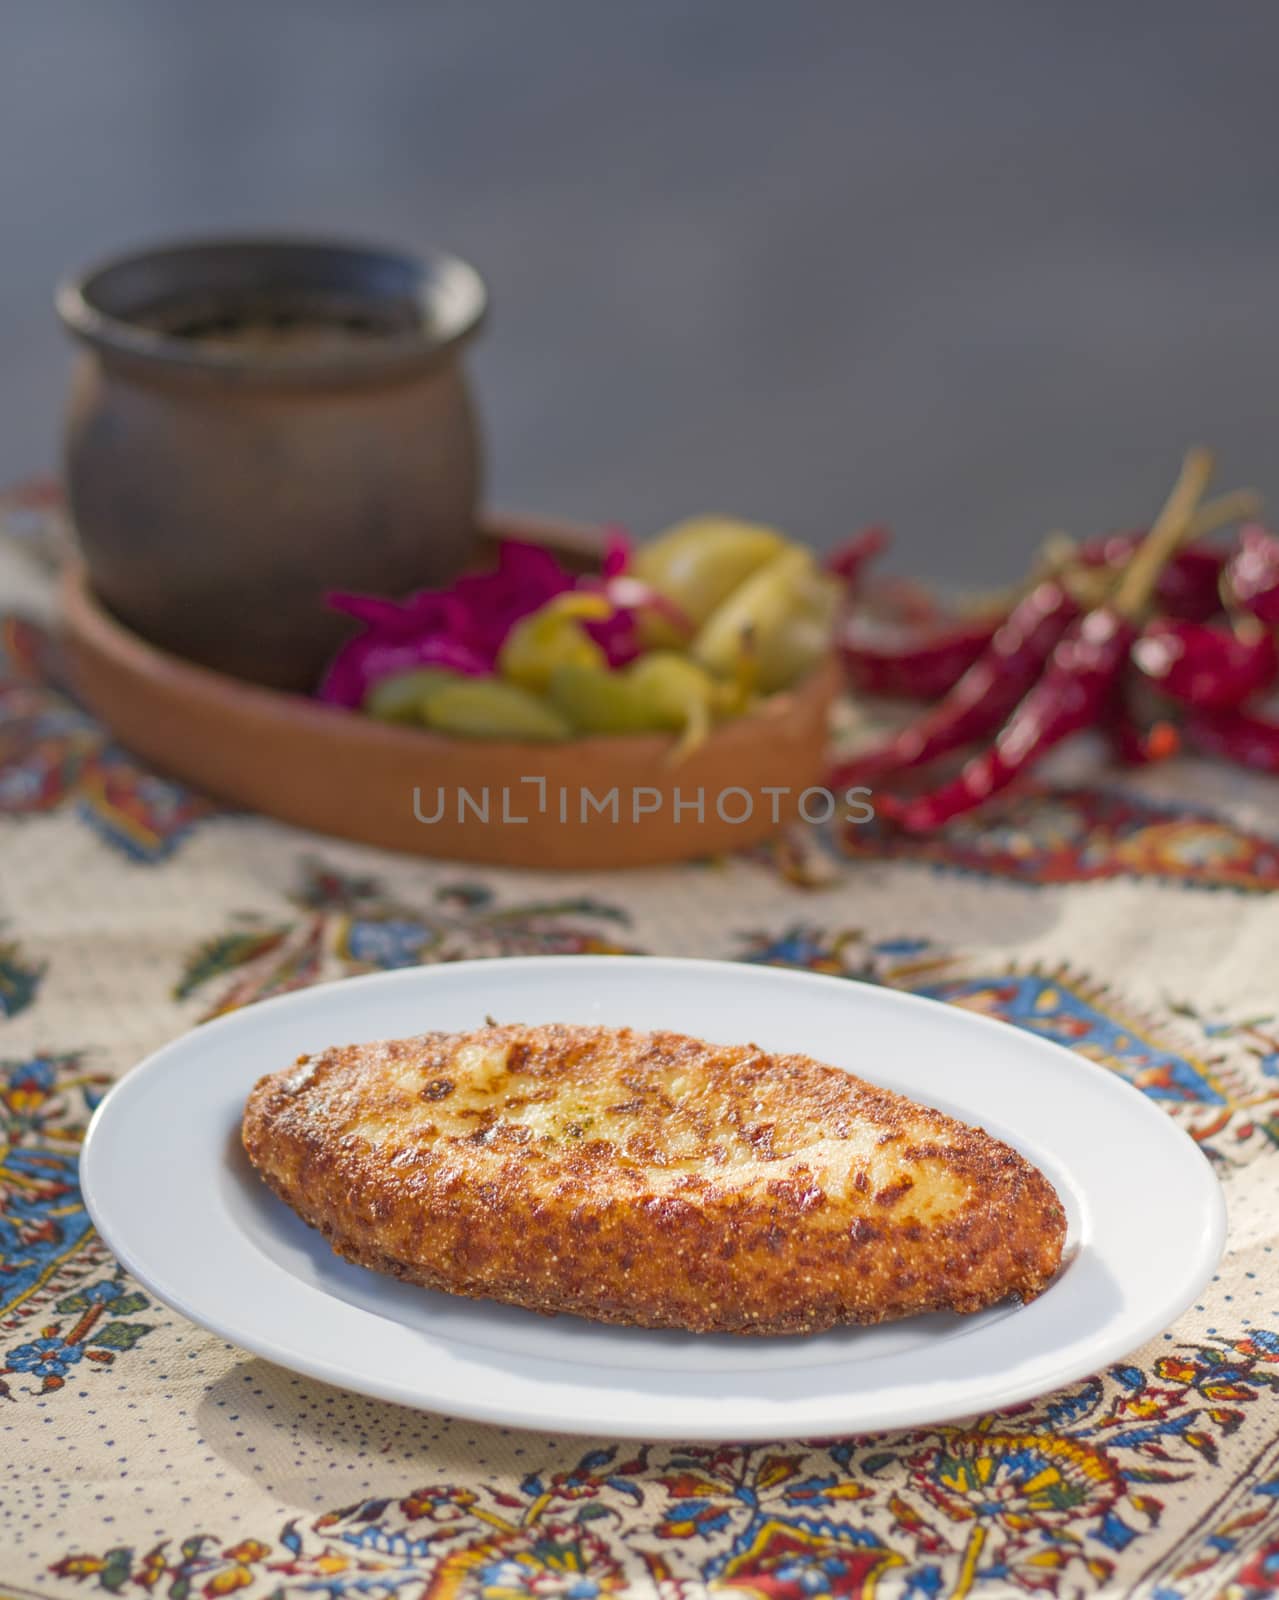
point(395, 942)
point(45, 1358)
point(102, 1294)
point(43, 1220)
point(1054, 1009)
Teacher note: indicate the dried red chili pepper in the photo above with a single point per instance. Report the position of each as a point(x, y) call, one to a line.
point(912, 665)
point(1244, 737)
point(851, 558)
point(1252, 574)
point(1207, 664)
point(1072, 695)
point(1135, 744)
point(983, 697)
point(1190, 585)
point(1082, 681)
point(885, 659)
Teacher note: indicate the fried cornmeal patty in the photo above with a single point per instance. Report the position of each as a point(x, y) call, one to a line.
point(650, 1179)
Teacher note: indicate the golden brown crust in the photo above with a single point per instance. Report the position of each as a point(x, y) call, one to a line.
point(650, 1179)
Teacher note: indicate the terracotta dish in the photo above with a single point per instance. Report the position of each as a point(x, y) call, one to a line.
point(501, 802)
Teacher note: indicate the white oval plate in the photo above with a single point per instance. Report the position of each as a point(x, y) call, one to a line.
point(169, 1188)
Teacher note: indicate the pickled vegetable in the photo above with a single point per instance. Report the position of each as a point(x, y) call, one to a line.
point(487, 708)
point(552, 637)
point(674, 693)
point(797, 648)
point(689, 629)
point(598, 701)
point(777, 625)
point(402, 697)
point(700, 562)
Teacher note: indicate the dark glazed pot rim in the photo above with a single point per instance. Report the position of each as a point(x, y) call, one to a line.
point(415, 310)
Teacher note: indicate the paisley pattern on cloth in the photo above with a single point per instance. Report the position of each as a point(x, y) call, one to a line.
point(53, 754)
point(144, 1455)
point(1069, 834)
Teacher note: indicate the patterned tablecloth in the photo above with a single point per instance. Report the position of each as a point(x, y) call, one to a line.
point(1131, 918)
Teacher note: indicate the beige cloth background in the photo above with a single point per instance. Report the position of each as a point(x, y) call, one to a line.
point(1134, 919)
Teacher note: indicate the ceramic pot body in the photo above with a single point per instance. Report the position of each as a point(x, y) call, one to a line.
point(254, 424)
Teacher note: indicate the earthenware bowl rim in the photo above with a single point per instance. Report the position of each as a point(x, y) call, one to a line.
point(452, 295)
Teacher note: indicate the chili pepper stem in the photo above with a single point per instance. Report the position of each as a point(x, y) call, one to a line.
point(1169, 529)
point(1222, 510)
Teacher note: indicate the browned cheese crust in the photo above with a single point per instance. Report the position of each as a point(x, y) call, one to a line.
point(650, 1179)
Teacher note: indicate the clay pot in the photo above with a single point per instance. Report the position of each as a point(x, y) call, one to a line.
point(253, 423)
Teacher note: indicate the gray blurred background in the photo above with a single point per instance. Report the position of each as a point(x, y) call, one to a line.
point(978, 270)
